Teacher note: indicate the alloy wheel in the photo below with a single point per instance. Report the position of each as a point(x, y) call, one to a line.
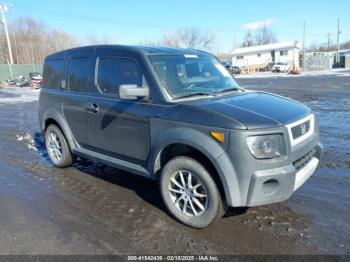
point(188, 193)
point(54, 146)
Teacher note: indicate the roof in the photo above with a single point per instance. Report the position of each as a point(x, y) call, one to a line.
point(269, 47)
point(341, 52)
point(344, 52)
point(146, 50)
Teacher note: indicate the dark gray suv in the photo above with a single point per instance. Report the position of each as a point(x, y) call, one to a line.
point(177, 116)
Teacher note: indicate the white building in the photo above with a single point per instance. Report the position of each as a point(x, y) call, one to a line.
point(264, 56)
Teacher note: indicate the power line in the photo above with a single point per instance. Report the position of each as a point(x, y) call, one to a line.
point(113, 21)
point(128, 24)
point(82, 17)
point(103, 20)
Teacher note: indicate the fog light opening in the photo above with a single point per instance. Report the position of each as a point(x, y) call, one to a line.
point(270, 186)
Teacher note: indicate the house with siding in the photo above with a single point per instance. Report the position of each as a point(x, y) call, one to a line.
point(265, 56)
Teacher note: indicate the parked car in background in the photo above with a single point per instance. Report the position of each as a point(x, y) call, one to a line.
point(280, 67)
point(177, 116)
point(234, 70)
point(35, 79)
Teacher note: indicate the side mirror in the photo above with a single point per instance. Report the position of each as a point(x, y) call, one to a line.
point(133, 92)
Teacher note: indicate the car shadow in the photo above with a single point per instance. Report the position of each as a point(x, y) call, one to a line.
point(146, 189)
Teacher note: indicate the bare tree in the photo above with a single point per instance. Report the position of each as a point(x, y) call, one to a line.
point(149, 43)
point(172, 39)
point(92, 39)
point(345, 45)
point(192, 38)
point(262, 36)
point(248, 39)
point(323, 47)
point(32, 41)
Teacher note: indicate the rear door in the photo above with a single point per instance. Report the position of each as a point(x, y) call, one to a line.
point(76, 100)
point(120, 128)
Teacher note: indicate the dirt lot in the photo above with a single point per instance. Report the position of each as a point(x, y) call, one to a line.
point(94, 209)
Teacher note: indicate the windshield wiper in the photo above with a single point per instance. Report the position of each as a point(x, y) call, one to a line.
point(229, 90)
point(194, 94)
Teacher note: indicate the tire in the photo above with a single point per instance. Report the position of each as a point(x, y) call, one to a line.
point(57, 147)
point(194, 214)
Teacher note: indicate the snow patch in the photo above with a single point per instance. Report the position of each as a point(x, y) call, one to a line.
point(28, 140)
point(15, 95)
point(281, 75)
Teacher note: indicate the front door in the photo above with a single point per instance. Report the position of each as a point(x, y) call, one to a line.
point(119, 128)
point(273, 56)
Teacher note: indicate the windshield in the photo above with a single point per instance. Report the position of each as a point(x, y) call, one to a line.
point(185, 76)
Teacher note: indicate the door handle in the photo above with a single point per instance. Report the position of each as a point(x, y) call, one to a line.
point(93, 107)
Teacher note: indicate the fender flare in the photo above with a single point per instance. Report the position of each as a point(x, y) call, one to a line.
point(55, 115)
point(207, 146)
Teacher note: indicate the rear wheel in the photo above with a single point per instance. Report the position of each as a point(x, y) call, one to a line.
point(57, 147)
point(190, 193)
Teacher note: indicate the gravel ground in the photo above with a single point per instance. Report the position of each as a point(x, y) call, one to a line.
point(94, 209)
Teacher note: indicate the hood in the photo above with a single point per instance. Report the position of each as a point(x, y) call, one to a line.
point(257, 109)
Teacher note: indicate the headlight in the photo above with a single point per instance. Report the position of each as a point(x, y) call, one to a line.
point(263, 147)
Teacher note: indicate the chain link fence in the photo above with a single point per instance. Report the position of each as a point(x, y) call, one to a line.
point(319, 61)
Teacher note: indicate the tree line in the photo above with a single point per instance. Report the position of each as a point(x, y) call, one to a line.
point(261, 36)
point(32, 40)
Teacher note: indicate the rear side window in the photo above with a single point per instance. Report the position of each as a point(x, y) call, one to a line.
point(113, 72)
point(53, 74)
point(78, 74)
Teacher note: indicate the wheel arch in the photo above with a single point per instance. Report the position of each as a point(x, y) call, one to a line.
point(205, 150)
point(53, 117)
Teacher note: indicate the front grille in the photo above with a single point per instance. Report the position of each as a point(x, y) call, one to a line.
point(301, 129)
point(304, 160)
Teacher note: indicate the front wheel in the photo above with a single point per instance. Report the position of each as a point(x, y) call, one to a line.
point(190, 193)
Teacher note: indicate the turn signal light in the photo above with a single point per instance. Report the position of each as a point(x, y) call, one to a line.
point(218, 136)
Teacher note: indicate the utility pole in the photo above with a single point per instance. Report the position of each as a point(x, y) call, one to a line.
point(338, 44)
point(3, 9)
point(329, 39)
point(304, 52)
point(328, 50)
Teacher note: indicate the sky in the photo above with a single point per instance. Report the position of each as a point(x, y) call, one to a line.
point(135, 21)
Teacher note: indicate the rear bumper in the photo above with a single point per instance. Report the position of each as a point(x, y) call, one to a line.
point(278, 184)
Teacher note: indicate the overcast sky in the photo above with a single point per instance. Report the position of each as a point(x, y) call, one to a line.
point(132, 21)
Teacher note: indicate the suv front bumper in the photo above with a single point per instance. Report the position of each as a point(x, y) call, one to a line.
point(278, 184)
point(250, 182)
